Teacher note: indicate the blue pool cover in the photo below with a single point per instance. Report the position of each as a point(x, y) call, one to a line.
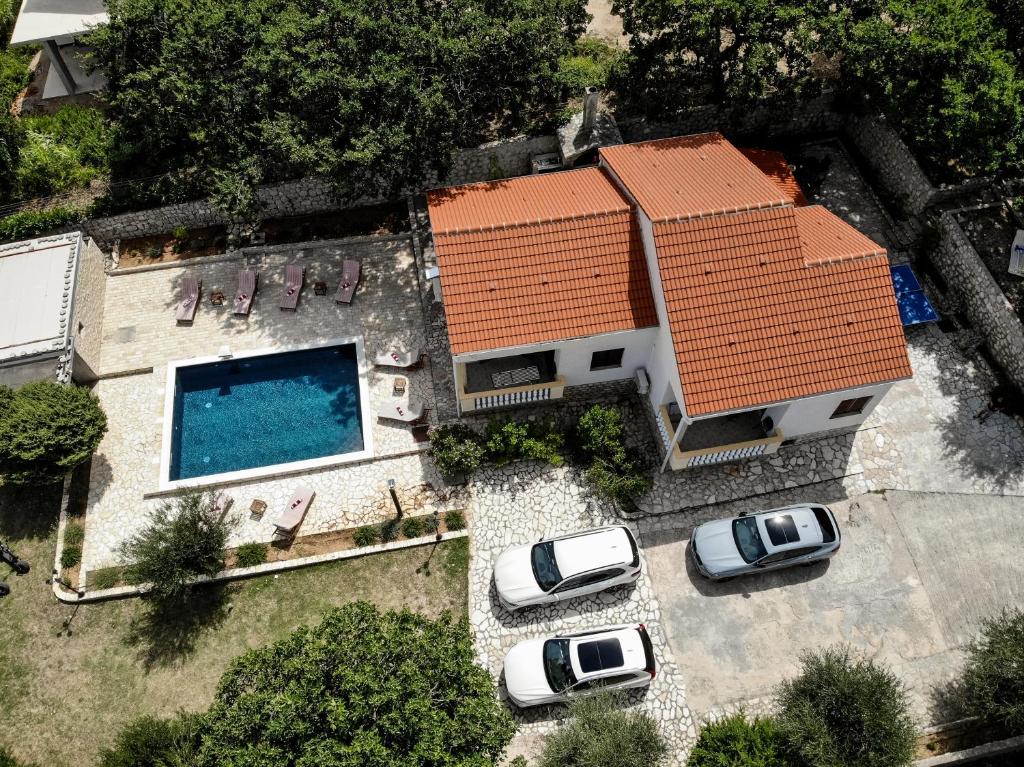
point(262, 411)
point(914, 306)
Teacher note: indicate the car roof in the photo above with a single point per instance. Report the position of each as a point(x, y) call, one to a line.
point(804, 525)
point(593, 550)
point(617, 651)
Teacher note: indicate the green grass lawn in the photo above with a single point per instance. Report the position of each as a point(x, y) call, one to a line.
point(65, 693)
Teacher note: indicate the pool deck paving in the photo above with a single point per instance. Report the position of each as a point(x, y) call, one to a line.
point(140, 336)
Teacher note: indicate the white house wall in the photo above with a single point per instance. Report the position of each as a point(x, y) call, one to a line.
point(811, 415)
point(572, 357)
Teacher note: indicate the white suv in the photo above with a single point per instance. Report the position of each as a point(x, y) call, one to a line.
point(554, 670)
point(566, 567)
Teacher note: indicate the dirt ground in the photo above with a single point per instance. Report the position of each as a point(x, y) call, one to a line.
point(604, 24)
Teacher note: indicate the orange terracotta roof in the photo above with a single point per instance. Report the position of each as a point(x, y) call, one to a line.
point(524, 200)
point(774, 166)
point(826, 237)
point(690, 176)
point(507, 282)
point(756, 320)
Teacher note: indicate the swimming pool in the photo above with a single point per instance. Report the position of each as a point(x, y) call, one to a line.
point(264, 412)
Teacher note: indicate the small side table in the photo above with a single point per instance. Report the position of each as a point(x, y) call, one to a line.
point(399, 387)
point(217, 298)
point(257, 508)
point(320, 288)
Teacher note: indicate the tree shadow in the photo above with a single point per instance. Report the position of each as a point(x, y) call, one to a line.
point(169, 632)
point(29, 512)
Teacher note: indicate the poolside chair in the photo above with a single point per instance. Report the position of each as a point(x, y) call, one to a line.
point(288, 525)
point(248, 281)
point(400, 410)
point(220, 505)
point(399, 359)
point(294, 277)
point(350, 274)
point(191, 287)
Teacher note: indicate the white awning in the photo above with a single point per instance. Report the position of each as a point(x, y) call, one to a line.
point(41, 20)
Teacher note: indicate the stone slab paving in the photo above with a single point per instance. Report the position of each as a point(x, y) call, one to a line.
point(517, 504)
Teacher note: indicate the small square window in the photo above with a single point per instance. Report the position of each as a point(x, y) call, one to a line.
point(851, 407)
point(609, 358)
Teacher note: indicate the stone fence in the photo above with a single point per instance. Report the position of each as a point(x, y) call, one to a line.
point(980, 297)
point(892, 163)
point(305, 196)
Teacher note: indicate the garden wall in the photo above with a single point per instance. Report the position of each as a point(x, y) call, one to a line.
point(980, 297)
point(891, 162)
point(499, 159)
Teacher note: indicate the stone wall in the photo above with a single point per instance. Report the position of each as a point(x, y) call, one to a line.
point(891, 161)
point(87, 322)
point(500, 159)
point(980, 297)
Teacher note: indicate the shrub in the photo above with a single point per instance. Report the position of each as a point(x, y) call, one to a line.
point(367, 535)
point(389, 530)
point(599, 433)
point(614, 473)
point(737, 742)
point(12, 137)
point(845, 713)
point(993, 677)
point(70, 556)
point(74, 534)
point(431, 523)
point(64, 150)
point(456, 449)
point(317, 697)
point(27, 224)
point(251, 554)
point(180, 233)
point(413, 527)
point(514, 441)
point(589, 65)
point(152, 742)
point(183, 540)
point(106, 578)
point(46, 430)
point(455, 520)
point(619, 482)
point(600, 733)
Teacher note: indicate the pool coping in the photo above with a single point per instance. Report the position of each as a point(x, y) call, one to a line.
point(263, 472)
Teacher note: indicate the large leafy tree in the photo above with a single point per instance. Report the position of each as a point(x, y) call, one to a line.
point(731, 52)
point(370, 93)
point(362, 688)
point(46, 430)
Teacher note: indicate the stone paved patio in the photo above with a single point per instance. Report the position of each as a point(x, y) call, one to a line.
point(140, 336)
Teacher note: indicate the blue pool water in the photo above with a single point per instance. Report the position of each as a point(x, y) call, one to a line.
point(262, 411)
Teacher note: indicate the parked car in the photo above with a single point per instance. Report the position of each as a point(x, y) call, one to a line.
point(554, 670)
point(566, 566)
point(765, 540)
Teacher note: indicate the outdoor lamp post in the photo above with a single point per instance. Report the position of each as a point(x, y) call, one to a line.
point(394, 497)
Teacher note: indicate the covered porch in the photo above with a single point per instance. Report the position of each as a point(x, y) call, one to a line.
point(722, 439)
point(505, 381)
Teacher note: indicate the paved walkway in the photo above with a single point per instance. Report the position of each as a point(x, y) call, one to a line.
point(518, 504)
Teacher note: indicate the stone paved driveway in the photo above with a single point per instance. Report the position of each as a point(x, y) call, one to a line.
point(520, 503)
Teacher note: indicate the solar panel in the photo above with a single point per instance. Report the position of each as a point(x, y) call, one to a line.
point(599, 655)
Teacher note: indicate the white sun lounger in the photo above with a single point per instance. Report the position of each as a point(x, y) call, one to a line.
point(288, 524)
point(398, 359)
point(400, 410)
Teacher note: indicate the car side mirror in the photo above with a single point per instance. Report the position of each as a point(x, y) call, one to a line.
point(744, 513)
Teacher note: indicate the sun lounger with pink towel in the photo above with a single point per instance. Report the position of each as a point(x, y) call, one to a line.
point(350, 273)
point(398, 359)
point(220, 505)
point(288, 524)
point(248, 280)
point(294, 277)
point(400, 410)
point(190, 290)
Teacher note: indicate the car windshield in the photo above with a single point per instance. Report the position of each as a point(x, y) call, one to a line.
point(748, 539)
point(545, 570)
point(557, 667)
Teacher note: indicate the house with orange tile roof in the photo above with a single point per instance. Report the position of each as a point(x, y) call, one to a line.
point(746, 316)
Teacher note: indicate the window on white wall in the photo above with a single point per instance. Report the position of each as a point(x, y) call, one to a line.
point(851, 407)
point(606, 359)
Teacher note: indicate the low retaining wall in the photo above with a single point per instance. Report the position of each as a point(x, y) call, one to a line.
point(980, 296)
point(892, 163)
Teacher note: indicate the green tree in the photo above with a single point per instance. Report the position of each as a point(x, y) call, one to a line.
point(152, 742)
point(362, 688)
point(736, 741)
point(372, 94)
point(1010, 15)
point(183, 540)
point(685, 53)
point(599, 732)
point(993, 677)
point(842, 712)
point(46, 430)
point(457, 449)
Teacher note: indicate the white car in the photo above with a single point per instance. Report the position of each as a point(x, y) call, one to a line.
point(567, 566)
point(554, 670)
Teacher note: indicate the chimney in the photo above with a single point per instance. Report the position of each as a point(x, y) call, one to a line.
point(590, 98)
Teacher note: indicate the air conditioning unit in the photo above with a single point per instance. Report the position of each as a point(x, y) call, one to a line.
point(768, 425)
point(545, 163)
point(643, 384)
